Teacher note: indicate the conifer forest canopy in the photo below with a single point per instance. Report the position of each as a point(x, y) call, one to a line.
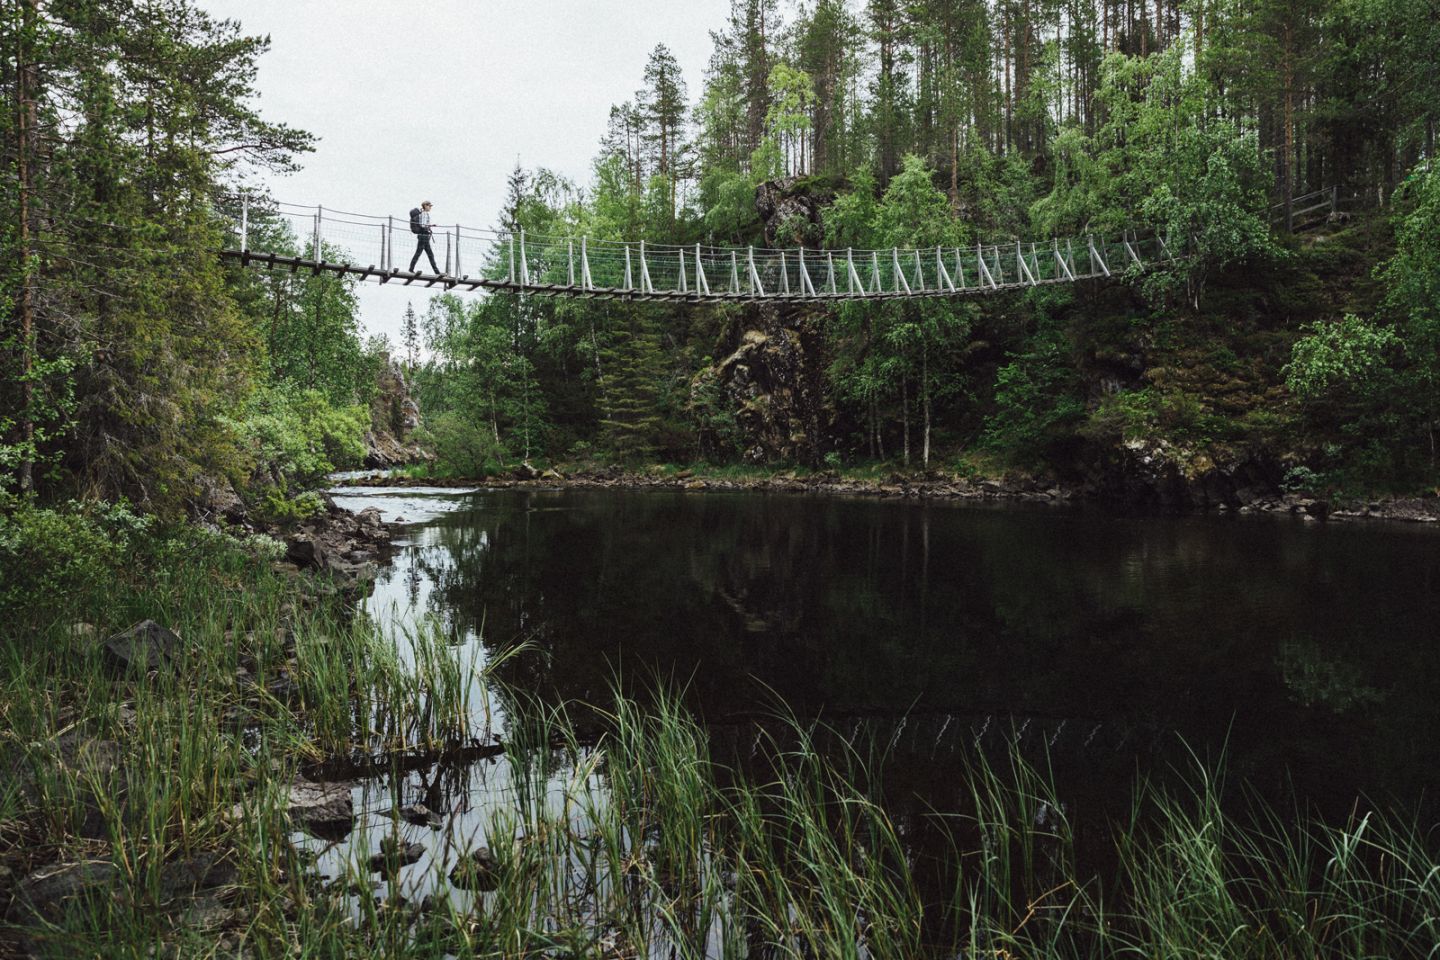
point(136, 363)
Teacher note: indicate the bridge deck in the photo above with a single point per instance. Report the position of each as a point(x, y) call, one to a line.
point(362, 246)
point(469, 283)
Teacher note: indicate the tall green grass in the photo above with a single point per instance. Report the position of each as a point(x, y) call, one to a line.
point(627, 840)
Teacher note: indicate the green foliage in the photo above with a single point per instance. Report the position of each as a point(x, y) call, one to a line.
point(716, 423)
point(951, 122)
point(1037, 401)
point(1342, 360)
point(293, 437)
point(465, 447)
point(59, 558)
point(1413, 280)
point(1152, 413)
point(1163, 157)
point(1374, 384)
point(276, 507)
point(484, 372)
point(907, 347)
point(728, 198)
point(631, 388)
point(145, 115)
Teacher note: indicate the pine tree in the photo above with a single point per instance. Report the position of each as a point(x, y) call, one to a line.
point(410, 337)
point(663, 106)
point(145, 115)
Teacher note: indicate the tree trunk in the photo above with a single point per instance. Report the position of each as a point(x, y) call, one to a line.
point(27, 91)
point(880, 436)
point(1199, 29)
point(905, 414)
point(1008, 86)
point(1287, 167)
point(925, 399)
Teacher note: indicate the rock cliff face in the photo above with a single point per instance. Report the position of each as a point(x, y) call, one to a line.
point(394, 417)
point(770, 382)
point(792, 210)
point(1158, 473)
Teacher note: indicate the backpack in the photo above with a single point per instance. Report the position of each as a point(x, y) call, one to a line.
point(415, 220)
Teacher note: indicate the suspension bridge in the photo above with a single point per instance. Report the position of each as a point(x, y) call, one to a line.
point(376, 248)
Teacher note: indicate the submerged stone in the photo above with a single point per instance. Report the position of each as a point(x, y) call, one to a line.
point(479, 871)
point(145, 647)
point(323, 809)
point(420, 815)
point(395, 854)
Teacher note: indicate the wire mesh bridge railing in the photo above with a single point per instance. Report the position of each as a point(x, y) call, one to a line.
point(383, 248)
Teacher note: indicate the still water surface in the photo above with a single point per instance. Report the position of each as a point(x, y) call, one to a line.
point(1305, 655)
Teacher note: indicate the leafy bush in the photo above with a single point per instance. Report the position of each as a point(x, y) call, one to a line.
point(295, 437)
point(276, 507)
point(1037, 402)
point(465, 448)
point(1301, 479)
point(64, 556)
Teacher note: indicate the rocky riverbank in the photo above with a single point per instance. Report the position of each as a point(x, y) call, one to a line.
point(931, 486)
point(99, 767)
point(348, 547)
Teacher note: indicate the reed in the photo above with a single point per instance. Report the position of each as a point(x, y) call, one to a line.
point(614, 831)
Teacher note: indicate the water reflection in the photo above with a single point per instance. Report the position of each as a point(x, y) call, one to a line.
point(1299, 649)
point(1109, 647)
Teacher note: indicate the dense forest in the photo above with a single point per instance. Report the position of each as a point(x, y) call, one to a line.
point(138, 366)
point(231, 709)
point(135, 365)
point(1286, 352)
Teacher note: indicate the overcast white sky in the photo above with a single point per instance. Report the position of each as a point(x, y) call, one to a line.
point(437, 99)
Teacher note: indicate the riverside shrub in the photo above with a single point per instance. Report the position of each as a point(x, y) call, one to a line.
point(62, 557)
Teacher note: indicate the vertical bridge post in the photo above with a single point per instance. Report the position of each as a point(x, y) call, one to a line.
point(702, 283)
point(756, 287)
point(319, 215)
point(645, 285)
point(901, 284)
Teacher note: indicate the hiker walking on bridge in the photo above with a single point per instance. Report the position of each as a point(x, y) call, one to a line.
point(420, 226)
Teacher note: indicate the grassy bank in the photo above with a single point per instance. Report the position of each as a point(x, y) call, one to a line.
point(167, 791)
point(159, 779)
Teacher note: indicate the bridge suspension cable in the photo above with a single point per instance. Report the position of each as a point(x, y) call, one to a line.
point(317, 239)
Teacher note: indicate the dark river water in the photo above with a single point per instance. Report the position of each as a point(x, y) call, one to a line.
point(1306, 656)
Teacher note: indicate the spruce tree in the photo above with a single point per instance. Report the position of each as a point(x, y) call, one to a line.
point(634, 368)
